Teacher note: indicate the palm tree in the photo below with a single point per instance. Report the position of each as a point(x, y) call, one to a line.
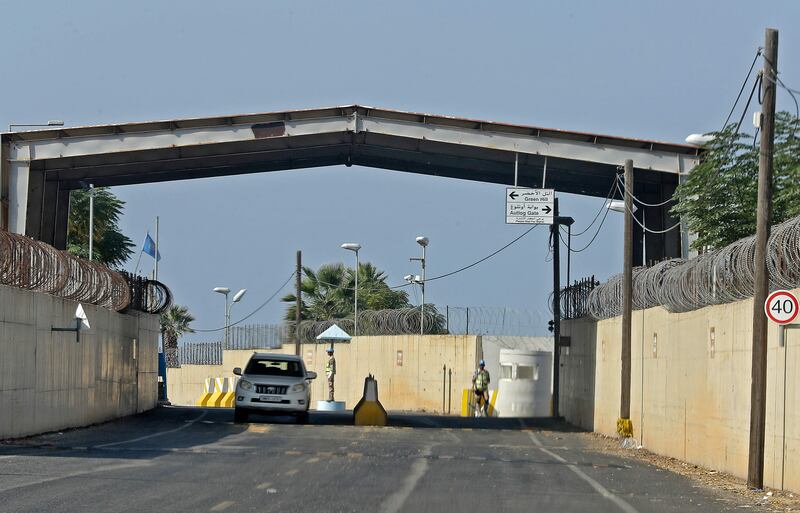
point(329, 293)
point(174, 323)
point(111, 246)
point(322, 294)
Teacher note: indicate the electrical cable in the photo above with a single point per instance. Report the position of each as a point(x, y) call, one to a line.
point(602, 207)
point(637, 200)
point(253, 312)
point(484, 258)
point(746, 79)
point(596, 233)
point(749, 99)
point(676, 225)
point(791, 93)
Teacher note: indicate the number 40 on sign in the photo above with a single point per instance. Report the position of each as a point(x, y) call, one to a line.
point(781, 307)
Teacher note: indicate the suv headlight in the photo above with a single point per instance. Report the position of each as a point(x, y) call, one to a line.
point(299, 387)
point(245, 385)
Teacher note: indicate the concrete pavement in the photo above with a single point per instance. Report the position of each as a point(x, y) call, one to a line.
point(194, 459)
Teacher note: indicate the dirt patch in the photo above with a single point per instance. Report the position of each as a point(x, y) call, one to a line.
point(713, 480)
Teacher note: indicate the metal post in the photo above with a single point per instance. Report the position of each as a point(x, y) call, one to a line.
point(627, 301)
point(91, 221)
point(447, 318)
point(355, 315)
point(422, 308)
point(156, 267)
point(298, 304)
point(444, 387)
point(758, 390)
point(450, 390)
point(467, 332)
point(554, 228)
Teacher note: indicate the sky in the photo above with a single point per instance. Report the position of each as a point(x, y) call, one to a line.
point(646, 69)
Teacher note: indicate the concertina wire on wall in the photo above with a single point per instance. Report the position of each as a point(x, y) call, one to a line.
point(721, 276)
point(33, 265)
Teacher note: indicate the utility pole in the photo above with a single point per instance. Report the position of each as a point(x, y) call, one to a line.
point(299, 302)
point(624, 426)
point(556, 236)
point(758, 389)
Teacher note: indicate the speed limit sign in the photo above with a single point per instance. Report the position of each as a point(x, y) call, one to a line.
point(781, 307)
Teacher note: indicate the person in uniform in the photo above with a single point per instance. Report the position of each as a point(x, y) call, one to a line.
point(330, 372)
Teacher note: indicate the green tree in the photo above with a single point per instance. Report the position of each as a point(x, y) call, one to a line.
point(329, 292)
point(718, 199)
point(111, 246)
point(174, 322)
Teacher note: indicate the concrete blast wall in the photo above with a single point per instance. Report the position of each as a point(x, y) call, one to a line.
point(50, 382)
point(690, 394)
point(408, 369)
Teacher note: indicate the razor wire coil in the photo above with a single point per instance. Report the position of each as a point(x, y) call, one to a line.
point(717, 277)
point(30, 264)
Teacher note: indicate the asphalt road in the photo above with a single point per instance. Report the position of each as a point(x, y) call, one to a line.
point(197, 460)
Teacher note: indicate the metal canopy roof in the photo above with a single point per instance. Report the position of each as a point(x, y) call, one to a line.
point(131, 153)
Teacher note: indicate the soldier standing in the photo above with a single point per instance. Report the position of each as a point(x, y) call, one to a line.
point(330, 372)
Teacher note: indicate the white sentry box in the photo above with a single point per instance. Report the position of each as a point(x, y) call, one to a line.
point(525, 385)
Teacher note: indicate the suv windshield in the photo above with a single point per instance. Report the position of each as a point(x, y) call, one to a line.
point(266, 367)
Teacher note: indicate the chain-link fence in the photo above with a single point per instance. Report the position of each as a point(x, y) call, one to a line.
point(495, 320)
point(716, 277)
point(257, 336)
point(197, 353)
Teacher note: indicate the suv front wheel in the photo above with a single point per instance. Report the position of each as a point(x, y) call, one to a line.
point(239, 415)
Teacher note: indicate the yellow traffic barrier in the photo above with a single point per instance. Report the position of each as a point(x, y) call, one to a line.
point(218, 393)
point(468, 403)
point(369, 411)
point(208, 385)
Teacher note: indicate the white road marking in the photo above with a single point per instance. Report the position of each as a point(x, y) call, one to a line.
point(222, 505)
point(624, 506)
point(105, 468)
point(395, 501)
point(152, 434)
point(264, 485)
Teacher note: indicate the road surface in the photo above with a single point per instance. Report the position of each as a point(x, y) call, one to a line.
point(195, 459)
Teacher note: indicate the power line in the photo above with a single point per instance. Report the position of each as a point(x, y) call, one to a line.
point(648, 230)
point(254, 311)
point(637, 200)
point(484, 258)
point(596, 233)
point(746, 79)
point(602, 207)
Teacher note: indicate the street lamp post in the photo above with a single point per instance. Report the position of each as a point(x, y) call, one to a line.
point(422, 241)
point(52, 122)
point(228, 306)
point(354, 247)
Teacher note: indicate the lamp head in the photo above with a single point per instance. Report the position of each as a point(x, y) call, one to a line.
point(409, 278)
point(422, 241)
point(618, 206)
point(699, 139)
point(222, 290)
point(55, 122)
point(351, 246)
point(239, 295)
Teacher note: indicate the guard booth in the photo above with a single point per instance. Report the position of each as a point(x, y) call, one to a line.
point(525, 387)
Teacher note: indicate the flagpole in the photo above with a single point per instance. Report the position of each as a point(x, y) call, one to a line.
point(156, 258)
point(139, 260)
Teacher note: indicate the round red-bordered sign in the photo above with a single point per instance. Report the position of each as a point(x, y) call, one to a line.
point(781, 307)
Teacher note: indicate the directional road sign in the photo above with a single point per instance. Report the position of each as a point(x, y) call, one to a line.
point(529, 206)
point(781, 307)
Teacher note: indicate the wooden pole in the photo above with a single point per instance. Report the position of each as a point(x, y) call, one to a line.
point(299, 301)
point(758, 390)
point(627, 306)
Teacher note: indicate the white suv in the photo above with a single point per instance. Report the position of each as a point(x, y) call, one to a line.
point(273, 383)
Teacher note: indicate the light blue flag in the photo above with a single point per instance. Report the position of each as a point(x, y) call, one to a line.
point(150, 247)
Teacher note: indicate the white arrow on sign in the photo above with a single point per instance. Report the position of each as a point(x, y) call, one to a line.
point(529, 206)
